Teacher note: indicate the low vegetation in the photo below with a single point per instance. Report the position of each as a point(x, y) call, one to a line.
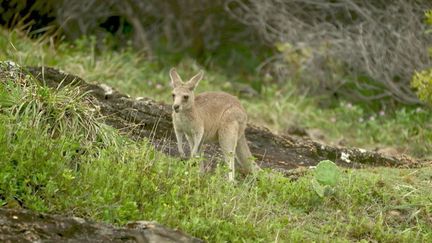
point(422, 80)
point(404, 129)
point(58, 157)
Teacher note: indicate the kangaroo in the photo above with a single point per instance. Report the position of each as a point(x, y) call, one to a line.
point(207, 117)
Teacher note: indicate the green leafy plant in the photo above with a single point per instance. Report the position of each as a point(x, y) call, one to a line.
point(326, 178)
point(63, 109)
point(422, 80)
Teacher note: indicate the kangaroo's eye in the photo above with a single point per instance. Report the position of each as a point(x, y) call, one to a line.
point(185, 97)
point(173, 96)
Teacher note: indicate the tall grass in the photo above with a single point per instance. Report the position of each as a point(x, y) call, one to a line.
point(117, 180)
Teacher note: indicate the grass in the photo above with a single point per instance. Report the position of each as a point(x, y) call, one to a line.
point(57, 157)
point(405, 129)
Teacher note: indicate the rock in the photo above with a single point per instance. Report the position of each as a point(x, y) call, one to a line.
point(27, 226)
point(297, 131)
point(389, 151)
point(158, 233)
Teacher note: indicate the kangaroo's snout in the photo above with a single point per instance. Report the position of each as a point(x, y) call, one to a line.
point(176, 108)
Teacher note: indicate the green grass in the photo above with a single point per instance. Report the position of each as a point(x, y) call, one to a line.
point(57, 157)
point(406, 129)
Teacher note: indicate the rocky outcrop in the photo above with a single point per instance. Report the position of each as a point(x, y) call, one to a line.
point(27, 226)
point(147, 118)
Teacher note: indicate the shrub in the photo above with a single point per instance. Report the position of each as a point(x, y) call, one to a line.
point(381, 41)
point(422, 80)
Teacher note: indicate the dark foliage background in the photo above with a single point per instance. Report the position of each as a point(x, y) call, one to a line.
point(358, 49)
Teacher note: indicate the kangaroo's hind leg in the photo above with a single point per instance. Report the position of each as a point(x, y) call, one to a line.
point(228, 142)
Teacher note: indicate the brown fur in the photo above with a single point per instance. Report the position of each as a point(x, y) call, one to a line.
point(211, 116)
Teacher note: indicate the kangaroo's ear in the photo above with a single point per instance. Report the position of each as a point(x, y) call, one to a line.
point(193, 82)
point(175, 78)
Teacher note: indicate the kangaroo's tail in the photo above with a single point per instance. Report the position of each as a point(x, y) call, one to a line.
point(245, 162)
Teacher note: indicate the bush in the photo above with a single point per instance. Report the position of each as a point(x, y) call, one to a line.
point(422, 80)
point(348, 47)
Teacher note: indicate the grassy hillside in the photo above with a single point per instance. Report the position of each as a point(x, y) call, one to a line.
point(57, 156)
point(406, 129)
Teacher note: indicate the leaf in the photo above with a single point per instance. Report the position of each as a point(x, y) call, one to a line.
point(318, 188)
point(327, 173)
point(7, 98)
